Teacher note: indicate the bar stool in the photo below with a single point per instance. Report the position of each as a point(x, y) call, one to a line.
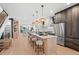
point(30, 39)
point(29, 36)
point(33, 42)
point(39, 47)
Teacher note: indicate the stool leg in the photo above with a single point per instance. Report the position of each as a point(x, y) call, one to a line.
point(33, 44)
point(43, 49)
point(38, 49)
point(35, 49)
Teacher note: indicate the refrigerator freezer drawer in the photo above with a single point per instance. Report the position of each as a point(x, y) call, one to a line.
point(60, 40)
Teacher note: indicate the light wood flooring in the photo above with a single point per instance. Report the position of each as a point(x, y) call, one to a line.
point(21, 46)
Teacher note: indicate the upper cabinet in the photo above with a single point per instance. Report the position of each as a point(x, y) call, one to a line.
point(68, 22)
point(60, 17)
point(75, 21)
point(63, 17)
point(57, 18)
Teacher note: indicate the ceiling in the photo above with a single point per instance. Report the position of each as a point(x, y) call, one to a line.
point(24, 11)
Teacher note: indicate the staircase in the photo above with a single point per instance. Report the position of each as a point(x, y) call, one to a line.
point(3, 26)
point(4, 21)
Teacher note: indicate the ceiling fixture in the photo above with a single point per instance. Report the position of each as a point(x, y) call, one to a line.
point(36, 14)
point(40, 20)
point(67, 3)
point(51, 11)
point(42, 9)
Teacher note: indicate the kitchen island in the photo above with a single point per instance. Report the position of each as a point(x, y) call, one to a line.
point(50, 41)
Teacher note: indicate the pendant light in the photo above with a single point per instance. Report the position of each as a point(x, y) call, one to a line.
point(35, 22)
point(33, 19)
point(42, 20)
point(42, 9)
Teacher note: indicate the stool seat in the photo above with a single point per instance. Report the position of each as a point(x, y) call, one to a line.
point(39, 42)
point(34, 39)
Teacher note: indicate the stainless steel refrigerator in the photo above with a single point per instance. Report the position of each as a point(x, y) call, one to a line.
point(60, 33)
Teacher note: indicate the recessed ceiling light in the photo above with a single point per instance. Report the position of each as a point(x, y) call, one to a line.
point(67, 3)
point(51, 11)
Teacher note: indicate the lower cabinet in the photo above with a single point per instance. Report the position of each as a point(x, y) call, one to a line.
point(72, 43)
point(75, 21)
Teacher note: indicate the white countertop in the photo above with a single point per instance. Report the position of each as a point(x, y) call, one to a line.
point(44, 37)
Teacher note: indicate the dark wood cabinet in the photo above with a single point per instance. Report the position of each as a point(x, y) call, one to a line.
point(70, 17)
point(68, 22)
point(75, 21)
point(60, 17)
point(72, 43)
point(57, 18)
point(63, 17)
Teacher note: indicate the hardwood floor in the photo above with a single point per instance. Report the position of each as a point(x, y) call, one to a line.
point(66, 51)
point(21, 46)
